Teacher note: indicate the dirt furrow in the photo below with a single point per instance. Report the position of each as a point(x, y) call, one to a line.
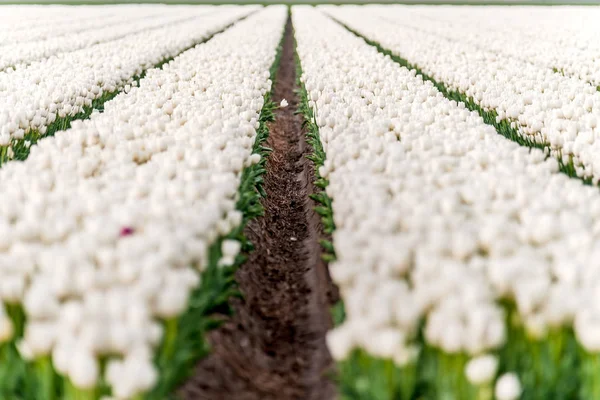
point(273, 348)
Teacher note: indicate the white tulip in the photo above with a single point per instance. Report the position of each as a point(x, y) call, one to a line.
point(231, 248)
point(508, 387)
point(340, 343)
point(83, 369)
point(6, 329)
point(481, 370)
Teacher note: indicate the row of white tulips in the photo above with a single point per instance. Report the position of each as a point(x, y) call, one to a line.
point(32, 98)
point(562, 38)
point(547, 107)
point(101, 226)
point(21, 54)
point(17, 28)
point(439, 218)
point(36, 20)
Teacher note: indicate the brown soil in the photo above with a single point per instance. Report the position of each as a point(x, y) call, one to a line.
point(273, 348)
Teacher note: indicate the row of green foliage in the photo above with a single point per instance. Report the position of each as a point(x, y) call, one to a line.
point(489, 117)
point(21, 147)
point(317, 156)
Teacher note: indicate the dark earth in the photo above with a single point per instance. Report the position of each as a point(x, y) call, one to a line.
point(273, 347)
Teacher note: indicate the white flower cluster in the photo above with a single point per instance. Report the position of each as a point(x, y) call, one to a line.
point(27, 24)
point(563, 38)
point(437, 216)
point(101, 227)
point(32, 98)
point(132, 20)
point(35, 21)
point(562, 112)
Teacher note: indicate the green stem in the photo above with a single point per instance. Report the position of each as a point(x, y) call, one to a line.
point(595, 383)
point(45, 378)
point(485, 392)
point(73, 393)
point(3, 150)
point(171, 327)
point(4, 367)
point(408, 380)
point(390, 377)
point(17, 316)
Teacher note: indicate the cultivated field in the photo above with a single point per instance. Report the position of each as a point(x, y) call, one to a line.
point(381, 202)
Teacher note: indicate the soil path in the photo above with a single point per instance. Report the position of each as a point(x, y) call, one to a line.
point(273, 348)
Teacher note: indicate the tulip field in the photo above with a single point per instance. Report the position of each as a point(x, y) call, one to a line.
point(358, 202)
